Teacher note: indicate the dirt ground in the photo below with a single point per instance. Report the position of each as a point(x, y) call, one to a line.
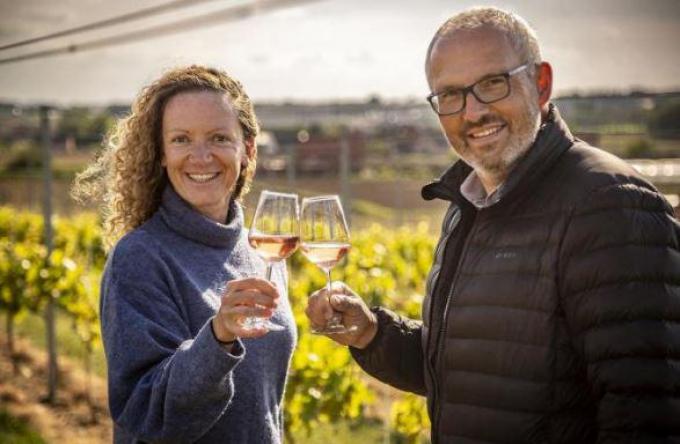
point(72, 419)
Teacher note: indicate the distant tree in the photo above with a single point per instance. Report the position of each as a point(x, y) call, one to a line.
point(374, 100)
point(639, 149)
point(74, 122)
point(665, 121)
point(84, 125)
point(101, 123)
point(316, 129)
point(23, 155)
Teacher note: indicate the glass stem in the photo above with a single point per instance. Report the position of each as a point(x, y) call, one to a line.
point(336, 319)
point(268, 275)
point(328, 282)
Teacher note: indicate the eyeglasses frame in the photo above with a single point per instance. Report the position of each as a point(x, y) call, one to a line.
point(470, 89)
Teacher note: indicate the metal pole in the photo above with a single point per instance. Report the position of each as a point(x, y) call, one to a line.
point(290, 166)
point(398, 198)
point(47, 215)
point(345, 171)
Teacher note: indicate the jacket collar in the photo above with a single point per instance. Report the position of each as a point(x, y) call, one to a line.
point(553, 139)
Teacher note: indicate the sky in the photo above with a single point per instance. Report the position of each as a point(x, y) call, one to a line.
point(330, 49)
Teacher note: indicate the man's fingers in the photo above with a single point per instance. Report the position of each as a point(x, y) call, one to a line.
point(318, 308)
point(316, 325)
point(342, 302)
point(339, 287)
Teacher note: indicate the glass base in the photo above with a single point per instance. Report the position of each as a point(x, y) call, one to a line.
point(331, 329)
point(258, 323)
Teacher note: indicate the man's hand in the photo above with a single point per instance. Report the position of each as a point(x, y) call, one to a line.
point(350, 307)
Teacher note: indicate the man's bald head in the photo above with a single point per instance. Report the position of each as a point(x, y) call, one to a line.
point(520, 35)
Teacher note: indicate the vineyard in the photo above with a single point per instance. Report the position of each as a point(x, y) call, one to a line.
point(385, 266)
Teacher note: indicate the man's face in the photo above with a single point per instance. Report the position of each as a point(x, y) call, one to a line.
point(488, 137)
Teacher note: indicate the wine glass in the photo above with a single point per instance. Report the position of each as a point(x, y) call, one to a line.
point(325, 241)
point(275, 235)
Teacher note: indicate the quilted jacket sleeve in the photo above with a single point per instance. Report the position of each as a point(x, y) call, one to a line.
point(620, 291)
point(395, 356)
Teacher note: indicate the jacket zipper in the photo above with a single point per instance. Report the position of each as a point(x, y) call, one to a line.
point(439, 255)
point(442, 332)
point(430, 366)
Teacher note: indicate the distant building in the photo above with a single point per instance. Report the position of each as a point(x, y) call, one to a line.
point(620, 113)
point(270, 156)
point(321, 153)
point(590, 138)
point(362, 115)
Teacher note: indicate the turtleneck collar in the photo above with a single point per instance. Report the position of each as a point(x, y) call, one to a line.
point(189, 223)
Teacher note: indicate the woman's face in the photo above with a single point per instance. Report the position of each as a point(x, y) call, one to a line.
point(204, 150)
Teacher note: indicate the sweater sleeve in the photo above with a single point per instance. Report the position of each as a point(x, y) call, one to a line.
point(164, 384)
point(395, 355)
point(620, 285)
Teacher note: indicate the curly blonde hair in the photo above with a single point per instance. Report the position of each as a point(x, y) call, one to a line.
point(127, 176)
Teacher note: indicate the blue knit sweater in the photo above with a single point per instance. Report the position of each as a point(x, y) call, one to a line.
point(169, 378)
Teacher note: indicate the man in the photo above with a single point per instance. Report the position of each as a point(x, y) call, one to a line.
point(553, 306)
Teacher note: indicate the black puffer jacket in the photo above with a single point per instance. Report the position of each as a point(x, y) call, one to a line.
point(552, 316)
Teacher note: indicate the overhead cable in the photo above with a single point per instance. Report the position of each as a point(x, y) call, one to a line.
point(213, 18)
point(132, 16)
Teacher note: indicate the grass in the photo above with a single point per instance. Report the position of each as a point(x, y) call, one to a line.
point(32, 327)
point(345, 432)
point(15, 431)
point(361, 431)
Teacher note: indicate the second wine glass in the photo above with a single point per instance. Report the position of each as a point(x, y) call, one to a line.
point(275, 235)
point(325, 241)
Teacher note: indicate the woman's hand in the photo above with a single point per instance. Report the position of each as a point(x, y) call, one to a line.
point(244, 298)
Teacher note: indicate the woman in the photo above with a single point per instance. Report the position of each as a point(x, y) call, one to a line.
point(181, 367)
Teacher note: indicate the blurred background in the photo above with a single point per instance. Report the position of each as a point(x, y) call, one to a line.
point(339, 90)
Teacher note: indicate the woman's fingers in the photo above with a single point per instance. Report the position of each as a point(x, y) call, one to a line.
point(246, 311)
point(233, 317)
point(249, 297)
point(252, 283)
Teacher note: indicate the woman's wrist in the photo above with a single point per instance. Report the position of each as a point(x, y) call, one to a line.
point(222, 335)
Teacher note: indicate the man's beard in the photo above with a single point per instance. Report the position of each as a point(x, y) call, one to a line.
point(523, 133)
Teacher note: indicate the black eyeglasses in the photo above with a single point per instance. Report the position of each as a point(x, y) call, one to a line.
point(488, 90)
